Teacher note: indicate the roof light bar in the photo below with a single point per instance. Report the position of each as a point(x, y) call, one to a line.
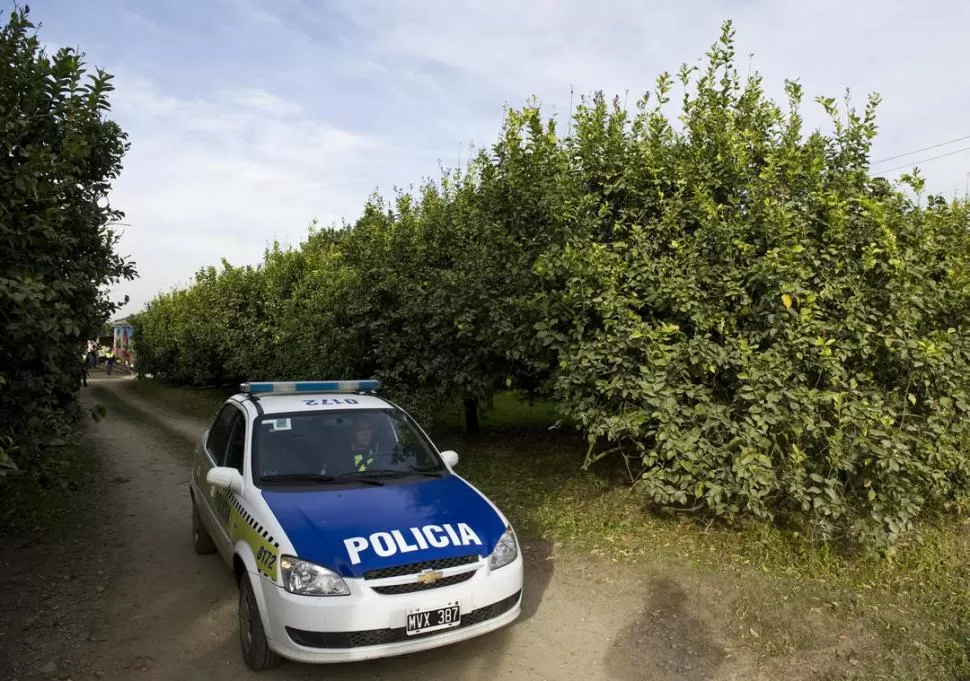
point(283, 387)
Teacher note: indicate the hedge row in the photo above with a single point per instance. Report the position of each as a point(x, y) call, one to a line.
point(731, 302)
point(58, 156)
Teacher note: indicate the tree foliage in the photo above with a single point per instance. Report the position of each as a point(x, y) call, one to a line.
point(771, 330)
point(734, 304)
point(57, 249)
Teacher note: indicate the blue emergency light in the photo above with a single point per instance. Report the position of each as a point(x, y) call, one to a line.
point(277, 387)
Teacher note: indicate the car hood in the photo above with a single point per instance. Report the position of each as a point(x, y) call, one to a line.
point(355, 530)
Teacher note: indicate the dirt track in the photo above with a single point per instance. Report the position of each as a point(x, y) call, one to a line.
point(132, 601)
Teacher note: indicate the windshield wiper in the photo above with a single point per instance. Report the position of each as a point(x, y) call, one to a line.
point(434, 472)
point(316, 477)
point(392, 473)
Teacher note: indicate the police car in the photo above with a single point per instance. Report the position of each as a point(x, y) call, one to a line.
point(350, 535)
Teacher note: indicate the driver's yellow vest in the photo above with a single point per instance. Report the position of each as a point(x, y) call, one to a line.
point(362, 461)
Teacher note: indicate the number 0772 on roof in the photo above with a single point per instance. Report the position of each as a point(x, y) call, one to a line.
point(367, 385)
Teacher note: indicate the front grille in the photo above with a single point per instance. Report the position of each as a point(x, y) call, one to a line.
point(375, 637)
point(418, 586)
point(414, 568)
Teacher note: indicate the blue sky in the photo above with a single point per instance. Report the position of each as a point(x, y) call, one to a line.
point(249, 119)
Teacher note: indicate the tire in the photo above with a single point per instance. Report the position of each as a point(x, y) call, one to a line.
point(252, 638)
point(201, 541)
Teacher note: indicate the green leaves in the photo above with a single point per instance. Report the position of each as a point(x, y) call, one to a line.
point(757, 316)
point(59, 154)
point(733, 305)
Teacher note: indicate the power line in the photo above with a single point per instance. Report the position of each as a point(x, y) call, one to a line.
point(925, 160)
point(916, 151)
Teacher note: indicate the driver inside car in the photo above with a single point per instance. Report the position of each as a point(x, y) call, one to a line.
point(363, 446)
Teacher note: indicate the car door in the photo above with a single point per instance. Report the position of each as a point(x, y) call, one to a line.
point(215, 500)
point(235, 454)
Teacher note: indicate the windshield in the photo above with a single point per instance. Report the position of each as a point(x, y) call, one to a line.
point(329, 446)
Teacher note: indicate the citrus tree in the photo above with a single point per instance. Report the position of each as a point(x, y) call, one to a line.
point(59, 153)
point(731, 303)
point(764, 328)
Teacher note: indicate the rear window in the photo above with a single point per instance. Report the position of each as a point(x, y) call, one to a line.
point(335, 443)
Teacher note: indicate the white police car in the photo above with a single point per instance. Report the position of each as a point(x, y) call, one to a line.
point(349, 533)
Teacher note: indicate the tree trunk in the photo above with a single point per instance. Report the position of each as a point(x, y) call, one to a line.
point(471, 416)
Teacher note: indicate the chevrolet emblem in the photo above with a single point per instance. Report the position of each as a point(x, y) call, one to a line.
point(428, 577)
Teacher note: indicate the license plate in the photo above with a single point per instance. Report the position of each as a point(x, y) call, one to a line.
point(423, 621)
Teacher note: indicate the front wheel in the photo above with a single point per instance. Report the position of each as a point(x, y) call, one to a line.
point(252, 637)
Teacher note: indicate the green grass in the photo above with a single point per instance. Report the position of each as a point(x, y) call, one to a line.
point(794, 604)
point(509, 411)
point(905, 619)
point(186, 401)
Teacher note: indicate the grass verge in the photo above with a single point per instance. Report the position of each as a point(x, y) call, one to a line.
point(806, 611)
point(508, 411)
point(186, 401)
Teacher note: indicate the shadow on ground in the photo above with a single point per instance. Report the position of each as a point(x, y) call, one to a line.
point(665, 642)
point(539, 567)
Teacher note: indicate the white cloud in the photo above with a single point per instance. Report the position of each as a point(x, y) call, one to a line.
point(911, 54)
point(224, 176)
point(351, 95)
point(261, 101)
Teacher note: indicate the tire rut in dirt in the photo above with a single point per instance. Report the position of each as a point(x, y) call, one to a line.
point(53, 593)
point(167, 606)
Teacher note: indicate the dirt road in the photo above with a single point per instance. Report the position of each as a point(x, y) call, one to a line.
point(141, 605)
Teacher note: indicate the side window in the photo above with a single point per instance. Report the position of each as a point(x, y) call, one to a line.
point(219, 433)
point(236, 447)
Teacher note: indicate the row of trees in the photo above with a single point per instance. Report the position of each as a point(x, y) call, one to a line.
point(731, 302)
point(58, 156)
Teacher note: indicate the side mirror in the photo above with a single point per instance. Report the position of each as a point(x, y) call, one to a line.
point(226, 478)
point(450, 457)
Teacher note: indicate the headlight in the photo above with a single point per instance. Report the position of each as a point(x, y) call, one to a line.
point(505, 551)
point(308, 579)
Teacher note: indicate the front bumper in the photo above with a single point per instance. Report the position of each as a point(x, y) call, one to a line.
point(367, 624)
